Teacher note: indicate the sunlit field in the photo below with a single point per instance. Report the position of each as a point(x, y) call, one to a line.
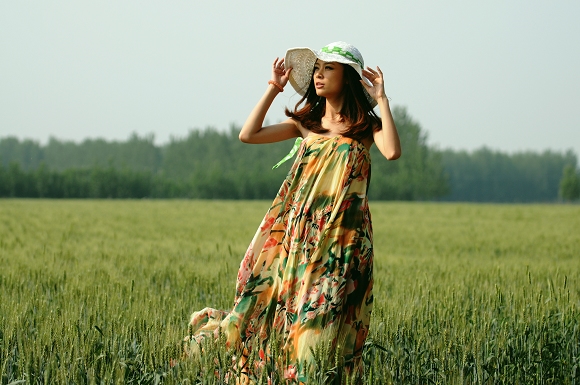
point(100, 292)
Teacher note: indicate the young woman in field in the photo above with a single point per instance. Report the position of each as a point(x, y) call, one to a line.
point(306, 277)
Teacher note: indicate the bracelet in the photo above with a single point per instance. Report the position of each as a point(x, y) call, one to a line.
point(277, 85)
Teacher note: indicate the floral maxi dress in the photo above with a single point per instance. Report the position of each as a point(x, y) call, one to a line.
point(307, 274)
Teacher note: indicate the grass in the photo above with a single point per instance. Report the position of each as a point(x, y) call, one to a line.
point(100, 292)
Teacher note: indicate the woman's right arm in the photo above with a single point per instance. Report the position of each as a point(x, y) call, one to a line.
point(252, 130)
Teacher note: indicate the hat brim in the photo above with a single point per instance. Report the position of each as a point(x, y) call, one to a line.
point(302, 61)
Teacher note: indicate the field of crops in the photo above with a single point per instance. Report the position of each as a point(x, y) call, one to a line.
point(100, 292)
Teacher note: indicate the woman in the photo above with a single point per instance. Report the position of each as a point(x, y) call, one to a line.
point(307, 275)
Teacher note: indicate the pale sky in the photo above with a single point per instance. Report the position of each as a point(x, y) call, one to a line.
point(504, 74)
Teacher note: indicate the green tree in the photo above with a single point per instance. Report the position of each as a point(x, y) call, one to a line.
point(485, 175)
point(417, 175)
point(570, 184)
point(137, 153)
point(27, 153)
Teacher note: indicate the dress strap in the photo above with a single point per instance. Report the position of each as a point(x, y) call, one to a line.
point(291, 153)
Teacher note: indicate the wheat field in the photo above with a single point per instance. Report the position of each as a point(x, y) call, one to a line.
point(100, 292)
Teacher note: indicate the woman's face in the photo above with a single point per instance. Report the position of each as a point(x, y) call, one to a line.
point(328, 78)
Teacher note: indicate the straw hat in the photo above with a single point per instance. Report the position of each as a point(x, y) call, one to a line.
point(302, 61)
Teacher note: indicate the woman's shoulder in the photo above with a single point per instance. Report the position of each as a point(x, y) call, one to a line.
point(303, 130)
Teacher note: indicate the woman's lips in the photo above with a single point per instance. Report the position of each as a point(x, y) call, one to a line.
point(319, 85)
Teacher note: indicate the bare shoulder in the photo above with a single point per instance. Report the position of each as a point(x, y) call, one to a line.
point(368, 142)
point(303, 131)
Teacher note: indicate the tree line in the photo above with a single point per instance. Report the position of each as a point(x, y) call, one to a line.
point(492, 176)
point(212, 164)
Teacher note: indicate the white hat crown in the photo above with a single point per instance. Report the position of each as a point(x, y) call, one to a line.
point(345, 50)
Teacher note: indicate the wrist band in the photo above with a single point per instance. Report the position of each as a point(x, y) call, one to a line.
point(277, 85)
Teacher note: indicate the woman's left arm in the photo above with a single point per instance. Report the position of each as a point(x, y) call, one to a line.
point(387, 138)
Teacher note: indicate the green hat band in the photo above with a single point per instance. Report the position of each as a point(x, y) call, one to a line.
point(339, 51)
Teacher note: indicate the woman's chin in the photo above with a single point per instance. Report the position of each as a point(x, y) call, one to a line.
point(321, 93)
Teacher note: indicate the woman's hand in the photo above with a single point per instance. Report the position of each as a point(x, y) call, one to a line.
point(279, 74)
point(377, 87)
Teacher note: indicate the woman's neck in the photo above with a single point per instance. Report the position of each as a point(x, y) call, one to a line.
point(333, 109)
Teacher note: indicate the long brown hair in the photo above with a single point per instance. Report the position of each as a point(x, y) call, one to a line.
point(356, 111)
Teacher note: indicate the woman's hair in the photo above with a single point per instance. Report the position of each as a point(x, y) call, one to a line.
point(356, 112)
